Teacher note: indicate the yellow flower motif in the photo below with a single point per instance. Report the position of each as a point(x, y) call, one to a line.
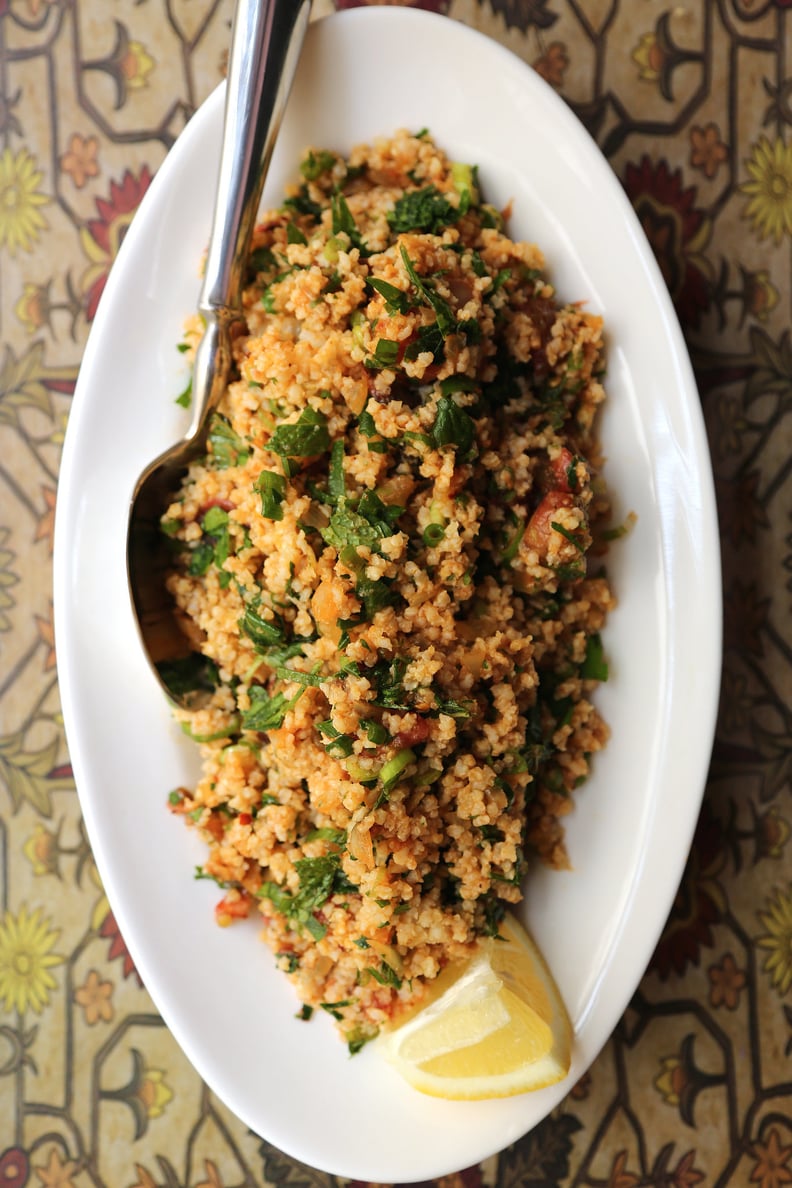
point(136, 66)
point(769, 207)
point(778, 940)
point(21, 221)
point(26, 957)
point(154, 1092)
point(34, 307)
point(670, 1080)
point(759, 293)
point(42, 850)
point(648, 57)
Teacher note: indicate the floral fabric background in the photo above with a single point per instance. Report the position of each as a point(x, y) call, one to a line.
point(692, 104)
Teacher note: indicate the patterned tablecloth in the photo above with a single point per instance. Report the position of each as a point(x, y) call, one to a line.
point(692, 104)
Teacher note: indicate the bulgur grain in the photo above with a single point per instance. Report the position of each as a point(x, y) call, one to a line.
point(384, 556)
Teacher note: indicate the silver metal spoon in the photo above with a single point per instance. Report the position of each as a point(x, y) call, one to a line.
point(266, 42)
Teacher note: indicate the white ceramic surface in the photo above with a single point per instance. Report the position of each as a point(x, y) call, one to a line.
point(364, 73)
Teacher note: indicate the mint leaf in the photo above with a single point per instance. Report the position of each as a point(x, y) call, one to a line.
point(305, 438)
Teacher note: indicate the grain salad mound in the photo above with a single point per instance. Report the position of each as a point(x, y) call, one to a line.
point(383, 562)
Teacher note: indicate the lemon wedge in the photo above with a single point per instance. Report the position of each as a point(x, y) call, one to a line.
point(493, 1027)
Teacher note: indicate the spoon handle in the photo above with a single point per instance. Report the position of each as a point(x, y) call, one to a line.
point(265, 47)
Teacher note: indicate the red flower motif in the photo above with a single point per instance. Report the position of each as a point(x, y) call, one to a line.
point(110, 931)
point(102, 237)
point(699, 902)
point(677, 232)
point(14, 1163)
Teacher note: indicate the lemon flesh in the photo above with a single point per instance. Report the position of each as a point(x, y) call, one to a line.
point(494, 1027)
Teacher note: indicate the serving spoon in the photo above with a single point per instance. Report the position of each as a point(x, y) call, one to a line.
point(266, 42)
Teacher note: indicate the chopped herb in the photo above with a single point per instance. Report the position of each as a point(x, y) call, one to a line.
point(429, 340)
point(452, 708)
point(294, 234)
point(595, 666)
point(375, 732)
point(458, 383)
point(396, 300)
point(494, 911)
point(386, 352)
point(422, 210)
point(336, 483)
point(366, 424)
point(500, 279)
point(201, 874)
point(261, 260)
point(340, 745)
point(268, 712)
point(512, 545)
point(306, 679)
point(265, 633)
point(317, 878)
point(291, 960)
point(356, 1040)
point(491, 218)
point(272, 489)
point(567, 535)
point(344, 222)
point(362, 943)
point(228, 448)
point(306, 438)
point(335, 1008)
point(389, 678)
point(366, 527)
point(385, 975)
point(453, 426)
point(305, 1012)
point(304, 205)
point(185, 397)
point(327, 833)
point(314, 164)
point(375, 595)
point(491, 833)
point(446, 322)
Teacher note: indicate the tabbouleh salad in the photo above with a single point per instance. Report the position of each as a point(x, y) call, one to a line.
point(386, 563)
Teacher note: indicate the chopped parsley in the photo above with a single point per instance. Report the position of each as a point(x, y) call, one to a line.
point(228, 448)
point(271, 486)
point(422, 210)
point(453, 426)
point(595, 666)
point(267, 712)
point(319, 879)
point(396, 300)
point(446, 321)
point(314, 164)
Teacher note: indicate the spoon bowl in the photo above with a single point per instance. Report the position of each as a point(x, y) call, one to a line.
point(266, 42)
